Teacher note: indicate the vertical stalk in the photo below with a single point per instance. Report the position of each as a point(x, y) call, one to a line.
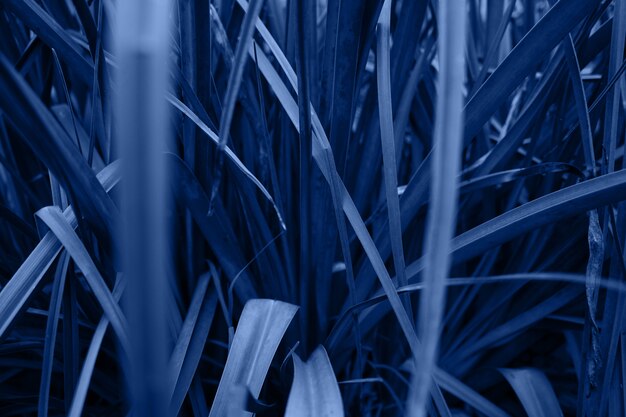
point(447, 145)
point(142, 42)
point(303, 18)
point(383, 74)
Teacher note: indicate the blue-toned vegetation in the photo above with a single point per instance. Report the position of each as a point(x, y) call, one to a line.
point(312, 208)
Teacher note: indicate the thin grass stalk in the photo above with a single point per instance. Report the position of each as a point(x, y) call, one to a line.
point(387, 138)
point(303, 67)
point(142, 43)
point(447, 142)
point(234, 83)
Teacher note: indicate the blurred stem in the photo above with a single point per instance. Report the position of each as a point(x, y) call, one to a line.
point(141, 114)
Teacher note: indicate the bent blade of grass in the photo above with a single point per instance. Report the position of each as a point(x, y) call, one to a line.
point(261, 327)
point(195, 118)
point(20, 287)
point(234, 82)
point(441, 221)
point(23, 283)
point(536, 44)
point(534, 391)
point(314, 391)
point(550, 208)
point(387, 138)
point(63, 230)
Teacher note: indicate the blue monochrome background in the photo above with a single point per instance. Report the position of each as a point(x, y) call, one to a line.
point(312, 208)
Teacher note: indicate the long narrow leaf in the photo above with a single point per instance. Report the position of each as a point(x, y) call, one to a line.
point(188, 349)
point(20, 287)
point(448, 140)
point(388, 142)
point(234, 82)
point(63, 230)
point(534, 391)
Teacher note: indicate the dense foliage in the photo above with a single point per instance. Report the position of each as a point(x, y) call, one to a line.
point(379, 208)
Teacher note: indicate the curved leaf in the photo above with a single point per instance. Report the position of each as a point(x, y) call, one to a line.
point(314, 392)
point(261, 328)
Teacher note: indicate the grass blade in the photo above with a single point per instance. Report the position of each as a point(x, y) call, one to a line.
point(234, 82)
point(534, 391)
point(190, 194)
point(34, 16)
point(82, 386)
point(191, 339)
point(387, 138)
point(260, 330)
point(54, 147)
point(323, 157)
point(314, 391)
point(468, 395)
point(447, 142)
point(561, 204)
point(63, 230)
point(228, 152)
point(581, 103)
point(537, 43)
point(616, 56)
point(51, 332)
point(22, 284)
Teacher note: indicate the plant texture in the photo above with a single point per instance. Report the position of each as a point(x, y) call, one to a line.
point(312, 208)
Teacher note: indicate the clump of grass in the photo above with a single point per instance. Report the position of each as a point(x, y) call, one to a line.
point(301, 267)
